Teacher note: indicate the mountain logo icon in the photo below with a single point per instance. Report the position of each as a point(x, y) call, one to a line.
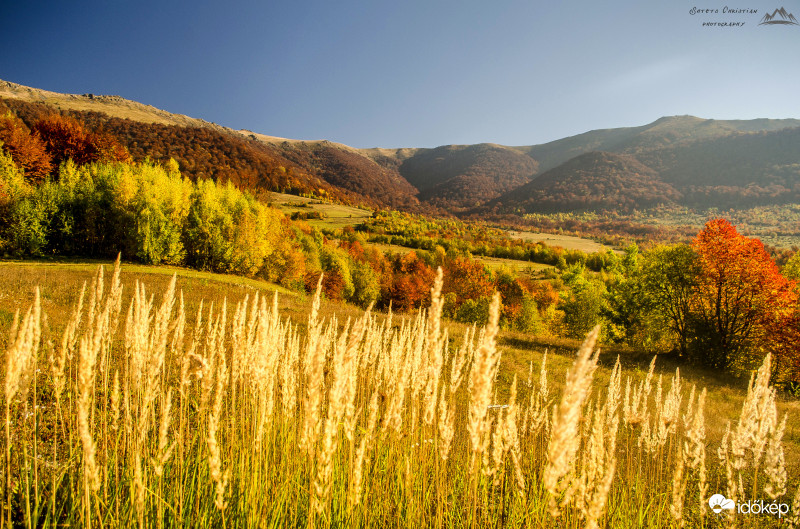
point(779, 16)
point(719, 503)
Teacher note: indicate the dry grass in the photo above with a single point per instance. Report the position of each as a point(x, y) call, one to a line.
point(138, 410)
point(567, 242)
point(334, 215)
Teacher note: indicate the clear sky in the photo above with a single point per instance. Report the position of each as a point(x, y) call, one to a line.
point(412, 73)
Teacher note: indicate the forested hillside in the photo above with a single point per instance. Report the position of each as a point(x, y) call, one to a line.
point(597, 181)
point(659, 181)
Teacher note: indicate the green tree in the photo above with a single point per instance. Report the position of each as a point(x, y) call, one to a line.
point(336, 262)
point(583, 304)
point(366, 287)
point(791, 270)
point(667, 283)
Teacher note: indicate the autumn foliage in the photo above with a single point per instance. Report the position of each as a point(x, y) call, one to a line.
point(66, 138)
point(412, 281)
point(742, 302)
point(467, 279)
point(54, 139)
point(26, 149)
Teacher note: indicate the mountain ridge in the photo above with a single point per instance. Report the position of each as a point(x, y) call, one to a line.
point(743, 160)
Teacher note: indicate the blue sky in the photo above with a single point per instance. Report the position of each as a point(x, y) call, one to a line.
point(412, 74)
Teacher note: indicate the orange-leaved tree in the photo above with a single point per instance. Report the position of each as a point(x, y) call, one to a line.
point(411, 283)
point(742, 299)
point(26, 149)
point(467, 279)
point(66, 138)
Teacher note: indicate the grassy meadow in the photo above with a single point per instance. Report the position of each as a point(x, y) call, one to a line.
point(162, 397)
point(568, 242)
point(331, 215)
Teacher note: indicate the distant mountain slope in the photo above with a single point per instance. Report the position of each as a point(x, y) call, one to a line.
point(595, 181)
point(460, 176)
point(210, 151)
point(665, 133)
point(684, 159)
point(347, 168)
point(113, 106)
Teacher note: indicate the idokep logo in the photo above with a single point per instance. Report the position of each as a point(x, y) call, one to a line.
point(719, 503)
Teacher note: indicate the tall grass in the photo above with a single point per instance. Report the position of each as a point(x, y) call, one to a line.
point(134, 419)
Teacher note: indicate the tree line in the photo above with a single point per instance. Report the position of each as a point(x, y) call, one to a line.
point(719, 301)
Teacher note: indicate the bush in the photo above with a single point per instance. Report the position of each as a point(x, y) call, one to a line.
point(528, 320)
point(366, 287)
point(474, 311)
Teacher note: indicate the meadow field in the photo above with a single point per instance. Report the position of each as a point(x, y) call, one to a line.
point(324, 214)
point(138, 398)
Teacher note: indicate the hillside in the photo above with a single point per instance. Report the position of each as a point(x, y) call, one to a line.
point(112, 106)
point(667, 133)
point(205, 150)
point(595, 181)
point(460, 176)
point(684, 160)
point(346, 168)
point(743, 170)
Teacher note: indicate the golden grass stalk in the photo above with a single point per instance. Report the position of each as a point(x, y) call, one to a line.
point(354, 496)
point(794, 521)
point(68, 346)
point(164, 450)
point(434, 346)
point(219, 478)
point(679, 482)
point(774, 463)
point(481, 379)
point(565, 435)
point(314, 375)
point(24, 342)
point(86, 362)
point(757, 419)
point(339, 397)
point(446, 425)
point(695, 448)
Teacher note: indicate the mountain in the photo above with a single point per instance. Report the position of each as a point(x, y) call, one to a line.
point(683, 160)
point(665, 133)
point(460, 176)
point(208, 150)
point(594, 181)
point(346, 168)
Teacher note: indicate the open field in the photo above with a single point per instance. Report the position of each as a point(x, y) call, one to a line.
point(567, 242)
point(245, 423)
point(775, 225)
point(492, 262)
point(60, 282)
point(333, 215)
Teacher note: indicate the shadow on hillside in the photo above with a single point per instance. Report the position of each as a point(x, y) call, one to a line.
point(630, 358)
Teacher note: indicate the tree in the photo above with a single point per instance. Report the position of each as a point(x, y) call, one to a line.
point(366, 288)
point(791, 270)
point(741, 298)
point(584, 303)
point(26, 149)
point(66, 138)
point(411, 283)
point(667, 282)
point(468, 279)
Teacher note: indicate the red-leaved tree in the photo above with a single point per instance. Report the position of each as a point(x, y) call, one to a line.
point(742, 300)
point(411, 283)
point(66, 138)
point(26, 149)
